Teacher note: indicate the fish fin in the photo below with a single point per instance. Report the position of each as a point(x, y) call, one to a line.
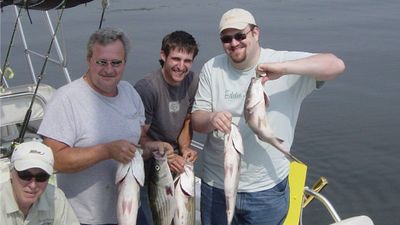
point(176, 181)
point(187, 192)
point(137, 169)
point(237, 139)
point(122, 171)
point(187, 180)
point(266, 99)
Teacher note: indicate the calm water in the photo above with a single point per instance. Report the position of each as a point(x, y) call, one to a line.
point(348, 131)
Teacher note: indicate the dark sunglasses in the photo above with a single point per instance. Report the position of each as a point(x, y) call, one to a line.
point(114, 63)
point(239, 36)
point(27, 176)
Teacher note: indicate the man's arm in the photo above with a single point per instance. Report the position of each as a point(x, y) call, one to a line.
point(321, 67)
point(185, 139)
point(68, 159)
point(205, 122)
point(149, 145)
point(144, 140)
point(175, 162)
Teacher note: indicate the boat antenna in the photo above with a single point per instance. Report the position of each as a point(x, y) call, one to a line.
point(20, 139)
point(104, 5)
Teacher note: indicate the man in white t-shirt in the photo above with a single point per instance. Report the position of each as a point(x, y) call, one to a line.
point(290, 76)
point(93, 123)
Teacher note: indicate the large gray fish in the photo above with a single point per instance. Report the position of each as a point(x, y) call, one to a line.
point(161, 191)
point(185, 213)
point(255, 114)
point(233, 150)
point(129, 178)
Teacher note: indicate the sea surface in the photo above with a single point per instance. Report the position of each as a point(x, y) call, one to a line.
point(347, 132)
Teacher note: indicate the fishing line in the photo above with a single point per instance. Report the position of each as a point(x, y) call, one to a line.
point(104, 4)
point(28, 13)
point(6, 67)
point(20, 139)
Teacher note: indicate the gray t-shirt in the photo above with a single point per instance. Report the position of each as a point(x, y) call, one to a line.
point(80, 117)
point(166, 106)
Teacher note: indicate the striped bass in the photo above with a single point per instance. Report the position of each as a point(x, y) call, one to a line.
point(129, 178)
point(185, 213)
point(233, 150)
point(161, 191)
point(256, 117)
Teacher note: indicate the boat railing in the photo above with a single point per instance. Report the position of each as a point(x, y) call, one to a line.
point(325, 203)
point(61, 61)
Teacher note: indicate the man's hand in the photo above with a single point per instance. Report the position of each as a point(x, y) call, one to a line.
point(123, 151)
point(221, 121)
point(189, 154)
point(176, 163)
point(270, 71)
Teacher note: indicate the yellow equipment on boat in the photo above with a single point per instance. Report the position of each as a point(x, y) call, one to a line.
point(297, 179)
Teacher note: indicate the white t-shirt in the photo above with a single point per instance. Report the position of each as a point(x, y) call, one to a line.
point(223, 88)
point(80, 117)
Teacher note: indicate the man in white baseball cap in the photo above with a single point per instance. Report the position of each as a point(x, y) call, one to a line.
point(27, 196)
point(33, 155)
point(237, 19)
point(223, 82)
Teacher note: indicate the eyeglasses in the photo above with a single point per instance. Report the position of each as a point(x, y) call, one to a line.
point(27, 176)
point(114, 63)
point(239, 36)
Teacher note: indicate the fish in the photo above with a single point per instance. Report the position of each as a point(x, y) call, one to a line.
point(255, 105)
point(185, 213)
point(129, 178)
point(233, 149)
point(161, 190)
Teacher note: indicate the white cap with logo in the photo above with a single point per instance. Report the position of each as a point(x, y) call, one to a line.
point(236, 18)
point(33, 154)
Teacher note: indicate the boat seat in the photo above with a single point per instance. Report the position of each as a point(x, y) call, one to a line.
point(357, 220)
point(15, 102)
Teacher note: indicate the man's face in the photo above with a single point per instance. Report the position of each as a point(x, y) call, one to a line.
point(239, 44)
point(106, 67)
point(27, 192)
point(176, 65)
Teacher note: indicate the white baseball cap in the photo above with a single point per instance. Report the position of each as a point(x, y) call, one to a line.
point(236, 18)
point(33, 154)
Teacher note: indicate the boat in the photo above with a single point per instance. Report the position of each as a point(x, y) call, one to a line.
point(16, 101)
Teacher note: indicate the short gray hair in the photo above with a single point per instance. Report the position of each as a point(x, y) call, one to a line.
point(106, 36)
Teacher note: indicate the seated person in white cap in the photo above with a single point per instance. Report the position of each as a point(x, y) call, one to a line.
point(27, 198)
